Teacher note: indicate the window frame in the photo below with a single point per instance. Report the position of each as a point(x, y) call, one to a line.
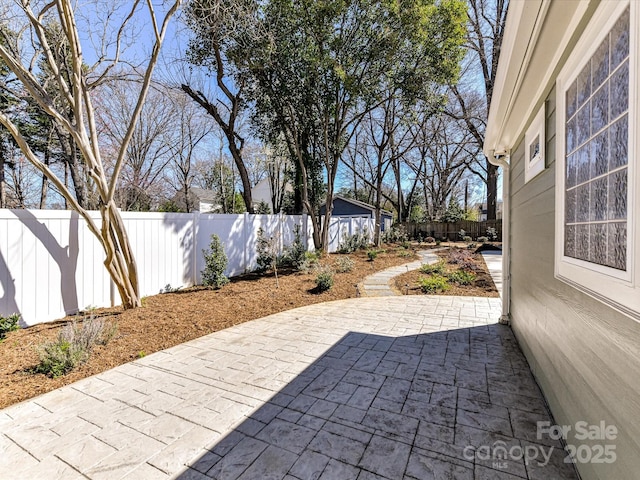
point(536, 165)
point(618, 289)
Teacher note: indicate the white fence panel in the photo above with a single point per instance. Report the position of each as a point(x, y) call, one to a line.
point(51, 265)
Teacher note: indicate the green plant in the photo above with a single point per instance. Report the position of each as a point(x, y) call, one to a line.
point(344, 264)
point(482, 239)
point(310, 261)
point(403, 253)
point(492, 234)
point(462, 277)
point(351, 243)
point(9, 324)
point(215, 263)
point(265, 248)
point(294, 255)
point(462, 234)
point(142, 354)
point(437, 268)
point(324, 279)
point(434, 283)
point(438, 242)
point(372, 254)
point(73, 345)
point(394, 235)
point(467, 239)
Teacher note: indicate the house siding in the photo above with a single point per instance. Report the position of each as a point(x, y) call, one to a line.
point(585, 355)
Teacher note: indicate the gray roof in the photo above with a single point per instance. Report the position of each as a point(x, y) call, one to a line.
point(362, 204)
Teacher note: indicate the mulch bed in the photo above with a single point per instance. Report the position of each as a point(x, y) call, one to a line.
point(482, 286)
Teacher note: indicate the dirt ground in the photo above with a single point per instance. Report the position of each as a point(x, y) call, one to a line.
point(482, 286)
point(169, 319)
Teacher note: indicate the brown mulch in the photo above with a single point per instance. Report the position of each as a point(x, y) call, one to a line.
point(169, 319)
point(482, 286)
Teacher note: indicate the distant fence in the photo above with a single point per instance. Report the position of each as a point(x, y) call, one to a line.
point(51, 265)
point(441, 230)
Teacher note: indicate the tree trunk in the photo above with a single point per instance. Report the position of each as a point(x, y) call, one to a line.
point(492, 190)
point(119, 261)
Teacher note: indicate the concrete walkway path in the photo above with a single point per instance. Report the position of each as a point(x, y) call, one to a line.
point(379, 283)
point(416, 387)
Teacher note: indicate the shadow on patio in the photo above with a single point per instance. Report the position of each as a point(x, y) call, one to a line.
point(454, 404)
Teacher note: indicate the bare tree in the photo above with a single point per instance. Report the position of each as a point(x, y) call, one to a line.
point(190, 130)
point(486, 29)
point(75, 95)
point(149, 151)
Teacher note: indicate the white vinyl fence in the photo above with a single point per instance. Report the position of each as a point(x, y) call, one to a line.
point(51, 265)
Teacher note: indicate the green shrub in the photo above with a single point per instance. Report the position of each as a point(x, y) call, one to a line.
point(492, 234)
point(372, 254)
point(433, 268)
point(310, 262)
point(434, 283)
point(483, 239)
point(344, 265)
point(324, 280)
point(215, 263)
point(403, 253)
point(351, 243)
point(462, 277)
point(294, 254)
point(9, 324)
point(438, 242)
point(394, 235)
point(264, 249)
point(462, 234)
point(73, 346)
point(467, 239)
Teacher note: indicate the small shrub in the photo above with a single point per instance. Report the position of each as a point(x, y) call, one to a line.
point(492, 235)
point(462, 277)
point(9, 324)
point(215, 263)
point(403, 253)
point(294, 254)
point(433, 268)
point(324, 280)
point(430, 240)
point(467, 239)
point(462, 234)
point(461, 258)
point(483, 239)
point(310, 262)
point(394, 235)
point(471, 246)
point(73, 346)
point(351, 243)
point(264, 249)
point(344, 265)
point(438, 242)
point(372, 254)
point(434, 283)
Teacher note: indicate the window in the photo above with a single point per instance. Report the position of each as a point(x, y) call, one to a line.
point(597, 168)
point(534, 142)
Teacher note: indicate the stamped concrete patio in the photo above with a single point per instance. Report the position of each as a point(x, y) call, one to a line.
point(390, 387)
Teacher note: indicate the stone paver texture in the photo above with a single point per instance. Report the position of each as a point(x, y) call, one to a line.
point(369, 388)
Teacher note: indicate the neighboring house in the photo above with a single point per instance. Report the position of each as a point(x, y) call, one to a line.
point(348, 207)
point(263, 192)
point(565, 125)
point(482, 210)
point(200, 199)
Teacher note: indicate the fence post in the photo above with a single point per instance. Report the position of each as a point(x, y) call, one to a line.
point(245, 241)
point(194, 232)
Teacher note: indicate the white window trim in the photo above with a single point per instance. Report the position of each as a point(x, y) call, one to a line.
point(534, 166)
point(618, 289)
